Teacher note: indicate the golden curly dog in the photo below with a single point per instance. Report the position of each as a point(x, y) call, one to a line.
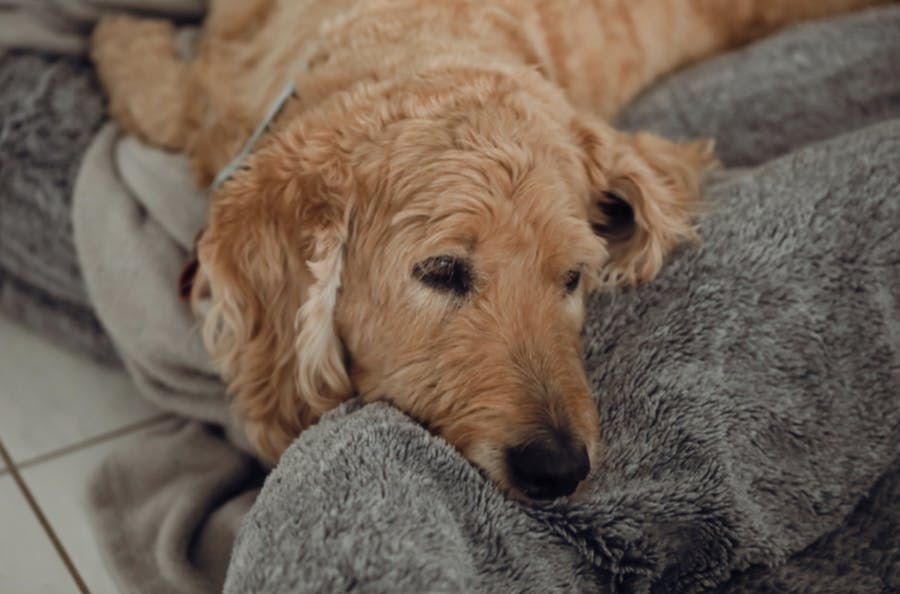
point(424, 217)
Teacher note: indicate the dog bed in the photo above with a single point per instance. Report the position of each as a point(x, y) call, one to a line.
point(750, 397)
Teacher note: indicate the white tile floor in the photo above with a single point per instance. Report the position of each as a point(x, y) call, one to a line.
point(60, 414)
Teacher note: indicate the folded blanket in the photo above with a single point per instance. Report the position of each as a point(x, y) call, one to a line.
point(749, 398)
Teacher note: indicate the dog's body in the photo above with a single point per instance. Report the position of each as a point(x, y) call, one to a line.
point(600, 52)
point(424, 218)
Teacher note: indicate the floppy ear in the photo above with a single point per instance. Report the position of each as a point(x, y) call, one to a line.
point(645, 193)
point(272, 256)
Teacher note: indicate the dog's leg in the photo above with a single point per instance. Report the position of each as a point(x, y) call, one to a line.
point(145, 81)
point(741, 21)
point(230, 19)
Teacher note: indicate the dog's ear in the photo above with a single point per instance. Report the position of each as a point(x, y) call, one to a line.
point(645, 191)
point(272, 256)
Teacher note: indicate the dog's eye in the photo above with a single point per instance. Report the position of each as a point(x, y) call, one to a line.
point(571, 280)
point(445, 273)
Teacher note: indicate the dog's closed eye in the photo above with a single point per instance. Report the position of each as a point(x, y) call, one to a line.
point(445, 273)
point(571, 280)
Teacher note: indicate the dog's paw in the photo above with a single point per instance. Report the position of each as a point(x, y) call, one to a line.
point(135, 58)
point(120, 44)
point(118, 40)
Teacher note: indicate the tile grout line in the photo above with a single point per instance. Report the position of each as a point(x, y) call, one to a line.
point(90, 441)
point(42, 519)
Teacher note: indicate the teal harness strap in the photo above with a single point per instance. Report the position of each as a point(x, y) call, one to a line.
point(226, 172)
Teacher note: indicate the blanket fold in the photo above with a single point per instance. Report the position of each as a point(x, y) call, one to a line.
point(158, 539)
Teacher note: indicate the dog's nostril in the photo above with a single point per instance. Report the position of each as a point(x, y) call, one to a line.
point(548, 468)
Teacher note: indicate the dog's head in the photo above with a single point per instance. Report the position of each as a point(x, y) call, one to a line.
point(432, 245)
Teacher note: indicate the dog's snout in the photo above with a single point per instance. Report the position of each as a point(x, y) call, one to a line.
point(549, 467)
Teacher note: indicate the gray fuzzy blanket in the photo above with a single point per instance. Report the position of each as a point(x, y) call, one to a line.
point(49, 112)
point(750, 397)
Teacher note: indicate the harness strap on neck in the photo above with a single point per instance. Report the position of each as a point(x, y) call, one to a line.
point(238, 161)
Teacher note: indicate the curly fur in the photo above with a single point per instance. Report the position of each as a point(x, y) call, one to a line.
point(424, 128)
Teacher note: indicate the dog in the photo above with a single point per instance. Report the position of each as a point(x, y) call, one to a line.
point(426, 209)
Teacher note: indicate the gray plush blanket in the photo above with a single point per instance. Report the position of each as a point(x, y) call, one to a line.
point(750, 397)
point(49, 112)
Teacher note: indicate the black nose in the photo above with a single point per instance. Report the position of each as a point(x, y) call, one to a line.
point(549, 467)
